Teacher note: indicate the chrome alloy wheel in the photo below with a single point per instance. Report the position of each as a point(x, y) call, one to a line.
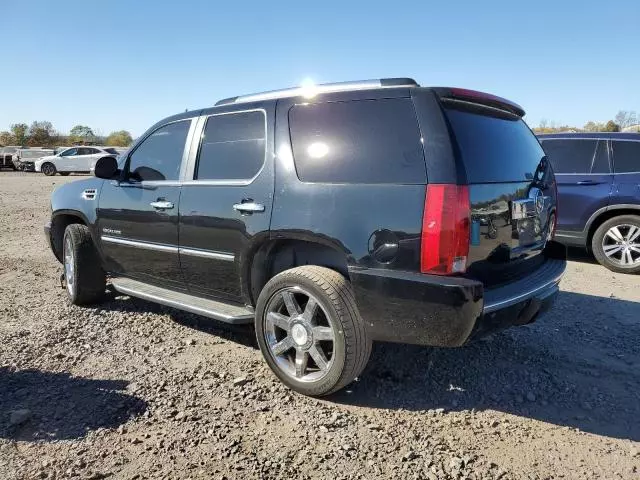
point(621, 245)
point(299, 334)
point(69, 271)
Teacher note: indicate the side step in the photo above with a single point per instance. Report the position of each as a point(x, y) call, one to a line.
point(223, 312)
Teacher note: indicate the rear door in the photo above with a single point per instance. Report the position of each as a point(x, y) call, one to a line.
point(626, 162)
point(227, 196)
point(583, 173)
point(510, 189)
point(84, 158)
point(138, 215)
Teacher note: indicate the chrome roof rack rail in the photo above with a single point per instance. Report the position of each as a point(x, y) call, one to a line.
point(311, 91)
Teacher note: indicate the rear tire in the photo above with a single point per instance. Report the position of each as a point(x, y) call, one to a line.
point(616, 244)
point(85, 278)
point(49, 169)
point(310, 332)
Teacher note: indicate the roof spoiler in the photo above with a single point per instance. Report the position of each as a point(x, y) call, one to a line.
point(481, 98)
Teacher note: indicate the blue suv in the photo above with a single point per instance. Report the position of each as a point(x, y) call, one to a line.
point(598, 178)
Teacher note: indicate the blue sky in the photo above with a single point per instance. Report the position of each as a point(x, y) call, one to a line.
point(126, 64)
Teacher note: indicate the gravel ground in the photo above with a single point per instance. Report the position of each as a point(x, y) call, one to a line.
point(135, 390)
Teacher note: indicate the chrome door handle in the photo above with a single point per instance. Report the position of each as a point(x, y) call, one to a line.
point(161, 205)
point(248, 207)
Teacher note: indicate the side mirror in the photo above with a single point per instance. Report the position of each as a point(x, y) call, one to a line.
point(106, 167)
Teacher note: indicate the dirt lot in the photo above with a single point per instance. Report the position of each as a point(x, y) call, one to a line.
point(134, 390)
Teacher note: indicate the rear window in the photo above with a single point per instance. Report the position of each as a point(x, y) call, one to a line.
point(363, 141)
point(493, 147)
point(626, 156)
point(578, 156)
point(112, 151)
point(233, 146)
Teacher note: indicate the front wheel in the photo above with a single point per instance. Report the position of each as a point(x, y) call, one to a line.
point(309, 330)
point(84, 276)
point(616, 244)
point(48, 169)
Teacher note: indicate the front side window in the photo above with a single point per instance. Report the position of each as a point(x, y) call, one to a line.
point(571, 156)
point(362, 141)
point(159, 156)
point(69, 153)
point(626, 156)
point(233, 147)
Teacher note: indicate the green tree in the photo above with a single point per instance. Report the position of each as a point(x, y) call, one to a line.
point(121, 138)
point(6, 138)
point(594, 127)
point(19, 131)
point(626, 118)
point(611, 126)
point(41, 134)
point(81, 134)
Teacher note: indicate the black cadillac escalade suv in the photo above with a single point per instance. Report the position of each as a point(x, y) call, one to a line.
point(328, 216)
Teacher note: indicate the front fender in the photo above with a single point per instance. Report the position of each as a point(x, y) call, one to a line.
point(69, 205)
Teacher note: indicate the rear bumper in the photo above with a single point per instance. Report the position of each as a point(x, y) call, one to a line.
point(448, 311)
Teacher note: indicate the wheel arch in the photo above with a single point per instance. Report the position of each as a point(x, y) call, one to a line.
point(277, 255)
point(60, 220)
point(611, 212)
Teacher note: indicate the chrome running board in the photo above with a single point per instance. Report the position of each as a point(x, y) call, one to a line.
point(221, 311)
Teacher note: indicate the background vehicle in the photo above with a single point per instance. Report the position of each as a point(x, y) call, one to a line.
point(598, 177)
point(309, 214)
point(73, 159)
point(25, 158)
point(6, 156)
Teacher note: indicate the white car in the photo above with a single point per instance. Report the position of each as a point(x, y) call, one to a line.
point(73, 159)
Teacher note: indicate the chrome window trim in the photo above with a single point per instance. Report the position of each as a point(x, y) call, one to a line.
point(196, 252)
point(198, 136)
point(547, 139)
point(598, 174)
point(138, 244)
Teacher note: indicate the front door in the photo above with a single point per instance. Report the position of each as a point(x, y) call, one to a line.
point(225, 207)
point(583, 174)
point(66, 160)
point(138, 215)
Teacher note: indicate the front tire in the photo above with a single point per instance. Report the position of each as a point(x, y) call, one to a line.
point(309, 330)
point(85, 278)
point(616, 244)
point(49, 169)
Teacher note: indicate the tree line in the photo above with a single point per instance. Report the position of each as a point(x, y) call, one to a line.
point(43, 134)
point(623, 120)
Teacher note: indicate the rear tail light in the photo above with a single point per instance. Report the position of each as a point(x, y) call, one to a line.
point(445, 229)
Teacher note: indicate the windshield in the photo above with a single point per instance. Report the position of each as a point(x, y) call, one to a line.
point(112, 151)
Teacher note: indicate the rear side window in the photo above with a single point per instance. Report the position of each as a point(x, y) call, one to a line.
point(159, 156)
point(364, 141)
point(233, 147)
point(571, 156)
point(626, 156)
point(494, 147)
